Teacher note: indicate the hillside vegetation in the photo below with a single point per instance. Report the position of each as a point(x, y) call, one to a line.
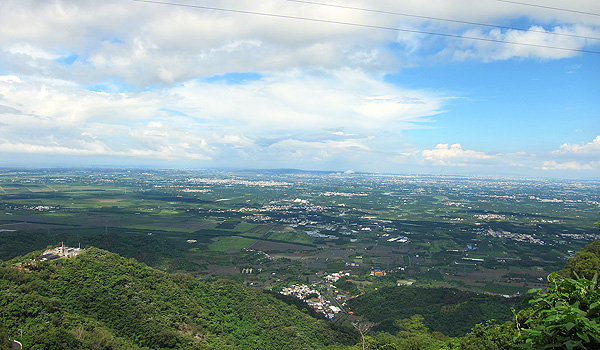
point(440, 308)
point(99, 300)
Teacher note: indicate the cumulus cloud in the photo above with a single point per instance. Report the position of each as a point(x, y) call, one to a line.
point(146, 44)
point(590, 148)
point(133, 79)
point(212, 120)
point(573, 157)
point(453, 155)
point(565, 161)
point(64, 119)
point(568, 159)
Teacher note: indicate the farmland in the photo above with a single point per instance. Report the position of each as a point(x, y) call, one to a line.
point(498, 235)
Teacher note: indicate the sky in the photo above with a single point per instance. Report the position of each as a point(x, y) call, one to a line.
point(487, 87)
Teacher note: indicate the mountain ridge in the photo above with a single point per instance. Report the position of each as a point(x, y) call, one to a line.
point(102, 300)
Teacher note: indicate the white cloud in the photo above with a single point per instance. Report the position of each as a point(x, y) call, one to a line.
point(519, 162)
point(453, 155)
point(27, 50)
point(590, 148)
point(569, 159)
point(319, 93)
point(536, 42)
point(9, 147)
point(212, 120)
point(554, 165)
point(341, 100)
point(98, 149)
point(573, 157)
point(325, 155)
point(146, 44)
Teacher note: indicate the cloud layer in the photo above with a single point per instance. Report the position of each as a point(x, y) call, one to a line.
point(141, 44)
point(281, 87)
point(204, 121)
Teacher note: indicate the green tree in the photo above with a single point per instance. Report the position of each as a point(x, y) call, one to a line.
point(489, 336)
point(585, 263)
point(415, 335)
point(55, 338)
point(566, 316)
point(5, 342)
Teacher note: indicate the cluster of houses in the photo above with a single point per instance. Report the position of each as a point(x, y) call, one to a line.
point(334, 277)
point(32, 207)
point(259, 252)
point(519, 237)
point(489, 216)
point(313, 298)
point(249, 270)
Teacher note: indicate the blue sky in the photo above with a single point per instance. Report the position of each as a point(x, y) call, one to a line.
point(499, 105)
point(141, 84)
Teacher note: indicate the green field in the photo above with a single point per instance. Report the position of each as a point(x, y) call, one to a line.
point(222, 244)
point(291, 237)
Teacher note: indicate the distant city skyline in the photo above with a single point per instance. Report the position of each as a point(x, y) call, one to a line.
point(406, 87)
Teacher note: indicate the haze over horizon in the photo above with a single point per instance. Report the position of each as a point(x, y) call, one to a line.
point(446, 86)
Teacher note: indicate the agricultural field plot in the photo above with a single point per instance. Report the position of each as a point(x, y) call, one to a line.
point(473, 233)
point(257, 231)
point(222, 244)
point(276, 247)
point(290, 237)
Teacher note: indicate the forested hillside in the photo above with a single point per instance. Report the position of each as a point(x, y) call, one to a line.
point(99, 300)
point(440, 308)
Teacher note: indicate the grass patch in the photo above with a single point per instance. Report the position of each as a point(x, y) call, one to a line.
point(222, 244)
point(291, 237)
point(261, 229)
point(442, 245)
point(228, 225)
point(244, 226)
point(168, 212)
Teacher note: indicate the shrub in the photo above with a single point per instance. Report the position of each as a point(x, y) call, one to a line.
point(566, 316)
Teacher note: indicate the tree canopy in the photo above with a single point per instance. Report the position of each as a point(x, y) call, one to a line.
point(584, 264)
point(101, 300)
